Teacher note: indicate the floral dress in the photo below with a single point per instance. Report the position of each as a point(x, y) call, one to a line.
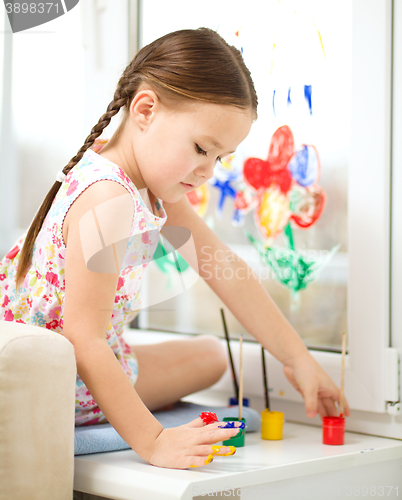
point(40, 299)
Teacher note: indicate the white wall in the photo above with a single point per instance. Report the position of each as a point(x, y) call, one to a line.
point(62, 79)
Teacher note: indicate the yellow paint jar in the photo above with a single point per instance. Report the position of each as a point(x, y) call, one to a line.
point(272, 424)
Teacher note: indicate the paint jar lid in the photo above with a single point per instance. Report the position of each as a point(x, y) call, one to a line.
point(333, 421)
point(235, 402)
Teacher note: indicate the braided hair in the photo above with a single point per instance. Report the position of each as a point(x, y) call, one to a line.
point(187, 64)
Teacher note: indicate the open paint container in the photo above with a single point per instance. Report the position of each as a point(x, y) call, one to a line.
point(238, 439)
point(272, 425)
point(333, 430)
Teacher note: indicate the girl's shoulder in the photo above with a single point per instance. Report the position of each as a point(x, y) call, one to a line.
point(91, 168)
point(102, 186)
point(106, 198)
point(85, 183)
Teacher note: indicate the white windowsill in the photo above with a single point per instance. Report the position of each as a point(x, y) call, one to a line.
point(299, 466)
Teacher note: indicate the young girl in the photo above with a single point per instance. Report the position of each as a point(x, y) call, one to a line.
point(188, 100)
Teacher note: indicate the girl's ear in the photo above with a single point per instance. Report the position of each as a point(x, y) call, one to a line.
point(143, 108)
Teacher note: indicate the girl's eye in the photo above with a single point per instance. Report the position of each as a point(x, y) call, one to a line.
point(200, 150)
point(219, 159)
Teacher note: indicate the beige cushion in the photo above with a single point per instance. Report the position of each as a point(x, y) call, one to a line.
point(37, 397)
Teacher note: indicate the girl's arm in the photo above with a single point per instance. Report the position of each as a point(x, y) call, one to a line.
point(237, 286)
point(89, 301)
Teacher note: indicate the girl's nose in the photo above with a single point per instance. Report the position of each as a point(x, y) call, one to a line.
point(206, 170)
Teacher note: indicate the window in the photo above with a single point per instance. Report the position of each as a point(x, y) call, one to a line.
point(351, 128)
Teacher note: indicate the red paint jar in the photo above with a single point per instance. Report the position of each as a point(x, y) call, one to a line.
point(333, 430)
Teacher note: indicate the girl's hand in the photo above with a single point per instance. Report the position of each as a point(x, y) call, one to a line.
point(189, 445)
point(314, 384)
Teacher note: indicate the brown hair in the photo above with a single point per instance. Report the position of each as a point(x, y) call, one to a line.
point(186, 64)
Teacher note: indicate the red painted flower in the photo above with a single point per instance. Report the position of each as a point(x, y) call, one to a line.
point(6, 301)
point(52, 278)
point(12, 253)
point(2, 277)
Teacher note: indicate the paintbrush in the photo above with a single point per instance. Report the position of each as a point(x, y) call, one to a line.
point(234, 379)
point(265, 377)
point(240, 398)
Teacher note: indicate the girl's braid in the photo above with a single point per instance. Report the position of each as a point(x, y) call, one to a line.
point(122, 96)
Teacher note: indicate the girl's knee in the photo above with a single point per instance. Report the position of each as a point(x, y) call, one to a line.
point(214, 356)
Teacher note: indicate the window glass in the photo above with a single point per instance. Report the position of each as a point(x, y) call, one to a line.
point(300, 61)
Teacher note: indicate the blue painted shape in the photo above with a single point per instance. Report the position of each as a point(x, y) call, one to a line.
point(304, 166)
point(289, 100)
point(226, 190)
point(308, 90)
point(231, 425)
point(237, 218)
point(273, 102)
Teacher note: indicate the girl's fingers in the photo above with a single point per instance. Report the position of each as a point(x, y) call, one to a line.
point(214, 436)
point(321, 409)
point(200, 461)
point(223, 451)
point(219, 451)
point(346, 408)
point(221, 425)
point(310, 394)
point(208, 453)
point(330, 407)
point(196, 423)
point(327, 407)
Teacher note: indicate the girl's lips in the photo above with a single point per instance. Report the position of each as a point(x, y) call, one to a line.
point(187, 186)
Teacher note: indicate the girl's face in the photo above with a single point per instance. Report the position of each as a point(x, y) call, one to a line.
point(176, 148)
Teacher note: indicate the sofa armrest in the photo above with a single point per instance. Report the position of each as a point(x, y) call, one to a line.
point(37, 399)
